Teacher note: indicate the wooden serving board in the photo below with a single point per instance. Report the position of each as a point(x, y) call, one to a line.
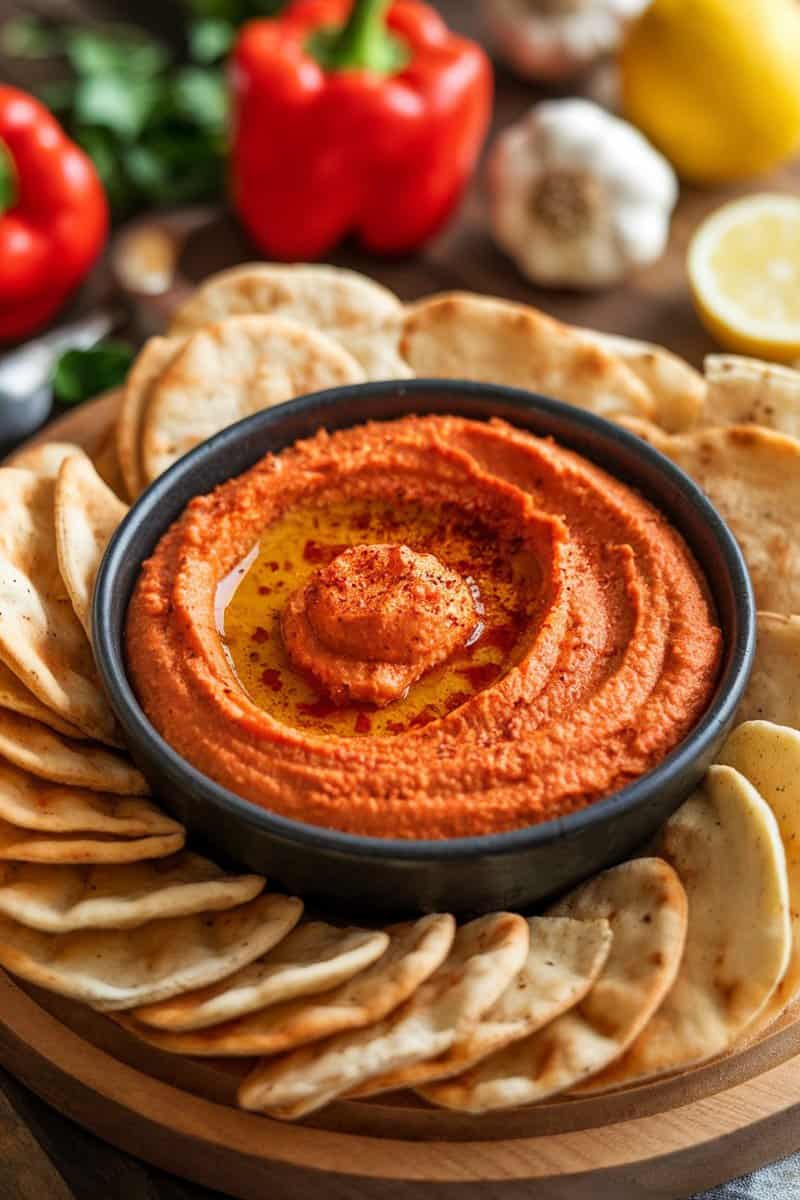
point(666, 1139)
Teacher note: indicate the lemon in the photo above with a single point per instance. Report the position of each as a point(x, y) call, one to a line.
point(744, 271)
point(715, 84)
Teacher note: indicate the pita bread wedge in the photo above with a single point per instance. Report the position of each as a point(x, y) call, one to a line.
point(725, 845)
point(769, 757)
point(745, 391)
point(48, 755)
point(154, 356)
point(41, 846)
point(86, 514)
point(773, 691)
point(313, 294)
point(462, 336)
point(313, 958)
point(41, 639)
point(16, 697)
point(415, 950)
point(485, 956)
point(105, 457)
point(564, 960)
point(112, 969)
point(229, 370)
point(66, 898)
point(378, 350)
point(645, 904)
point(678, 389)
point(33, 803)
point(42, 458)
point(752, 476)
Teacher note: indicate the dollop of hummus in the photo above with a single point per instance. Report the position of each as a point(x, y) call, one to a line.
point(375, 619)
point(425, 628)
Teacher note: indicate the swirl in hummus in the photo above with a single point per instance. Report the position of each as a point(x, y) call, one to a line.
point(425, 628)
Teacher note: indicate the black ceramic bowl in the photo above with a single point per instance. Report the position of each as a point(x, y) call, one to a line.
point(364, 874)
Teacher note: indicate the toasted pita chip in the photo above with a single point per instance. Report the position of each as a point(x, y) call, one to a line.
point(154, 356)
point(229, 370)
point(773, 691)
point(485, 956)
point(105, 458)
point(744, 391)
point(16, 697)
point(34, 803)
point(48, 755)
point(378, 350)
point(86, 514)
point(313, 294)
point(40, 846)
point(111, 969)
point(725, 845)
point(645, 904)
point(752, 475)
point(41, 639)
point(415, 950)
point(461, 336)
point(42, 458)
point(564, 960)
point(65, 898)
point(678, 389)
point(313, 958)
point(769, 757)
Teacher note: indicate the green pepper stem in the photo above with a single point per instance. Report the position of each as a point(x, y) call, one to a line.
point(8, 179)
point(362, 43)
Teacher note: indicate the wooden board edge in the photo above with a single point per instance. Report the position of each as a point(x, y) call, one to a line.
point(249, 1156)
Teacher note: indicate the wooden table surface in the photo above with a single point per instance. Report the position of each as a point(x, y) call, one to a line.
point(42, 1155)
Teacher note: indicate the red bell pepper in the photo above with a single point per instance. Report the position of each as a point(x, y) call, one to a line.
point(53, 214)
point(348, 122)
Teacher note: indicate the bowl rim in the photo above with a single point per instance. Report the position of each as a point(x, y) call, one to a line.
point(109, 651)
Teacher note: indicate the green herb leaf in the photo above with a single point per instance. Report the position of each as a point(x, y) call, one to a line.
point(210, 39)
point(200, 97)
point(104, 150)
point(81, 374)
point(8, 179)
point(177, 166)
point(126, 52)
point(56, 94)
point(28, 37)
point(120, 105)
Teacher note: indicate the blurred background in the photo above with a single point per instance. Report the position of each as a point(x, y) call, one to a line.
point(588, 210)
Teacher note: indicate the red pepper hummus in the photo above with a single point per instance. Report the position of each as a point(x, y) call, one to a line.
point(427, 628)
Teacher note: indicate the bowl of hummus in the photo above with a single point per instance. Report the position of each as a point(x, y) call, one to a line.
point(424, 644)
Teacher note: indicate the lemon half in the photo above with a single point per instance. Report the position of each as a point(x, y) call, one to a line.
point(744, 271)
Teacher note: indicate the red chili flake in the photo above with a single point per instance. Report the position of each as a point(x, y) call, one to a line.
point(271, 678)
point(427, 714)
point(363, 723)
point(319, 709)
point(481, 676)
point(263, 590)
point(322, 552)
point(274, 566)
point(502, 637)
point(260, 634)
point(456, 700)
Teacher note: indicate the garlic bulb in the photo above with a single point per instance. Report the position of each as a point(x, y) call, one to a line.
point(552, 39)
point(578, 198)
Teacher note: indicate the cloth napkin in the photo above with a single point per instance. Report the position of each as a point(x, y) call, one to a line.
point(781, 1181)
